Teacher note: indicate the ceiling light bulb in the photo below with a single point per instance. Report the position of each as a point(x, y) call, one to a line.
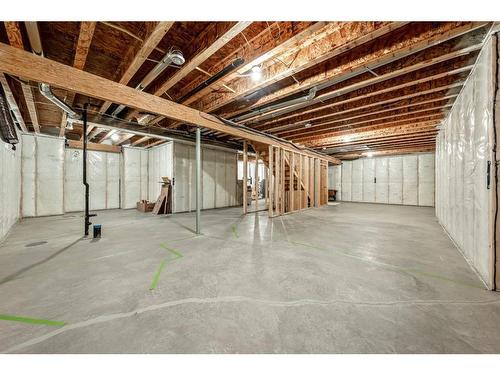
point(115, 137)
point(324, 148)
point(369, 154)
point(256, 72)
point(308, 125)
point(255, 69)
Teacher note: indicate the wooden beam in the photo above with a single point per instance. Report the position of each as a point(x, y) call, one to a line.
point(30, 103)
point(108, 135)
point(382, 55)
point(155, 143)
point(134, 59)
point(16, 40)
point(352, 136)
point(12, 102)
point(202, 56)
point(40, 69)
point(199, 59)
point(443, 100)
point(124, 139)
point(402, 151)
point(270, 184)
point(273, 40)
point(140, 140)
point(94, 146)
point(338, 38)
point(373, 92)
point(83, 44)
point(325, 128)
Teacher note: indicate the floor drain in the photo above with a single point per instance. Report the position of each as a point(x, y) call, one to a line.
point(36, 243)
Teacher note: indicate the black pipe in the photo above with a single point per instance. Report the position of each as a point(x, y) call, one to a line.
point(87, 215)
point(235, 64)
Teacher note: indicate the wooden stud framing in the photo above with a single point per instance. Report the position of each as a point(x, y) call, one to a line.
point(256, 180)
point(245, 176)
point(271, 182)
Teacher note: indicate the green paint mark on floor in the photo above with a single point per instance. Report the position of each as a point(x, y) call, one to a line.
point(235, 234)
point(154, 283)
point(175, 252)
point(23, 319)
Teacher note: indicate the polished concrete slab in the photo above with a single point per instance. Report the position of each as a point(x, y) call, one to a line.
point(348, 278)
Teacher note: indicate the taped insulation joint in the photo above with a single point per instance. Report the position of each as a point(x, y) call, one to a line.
point(7, 128)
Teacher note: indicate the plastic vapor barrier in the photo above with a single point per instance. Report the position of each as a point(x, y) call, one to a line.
point(219, 177)
point(463, 154)
point(134, 176)
point(402, 179)
point(346, 181)
point(103, 176)
point(43, 171)
point(159, 165)
point(335, 178)
point(10, 186)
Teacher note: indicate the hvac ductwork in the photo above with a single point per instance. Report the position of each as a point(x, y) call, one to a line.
point(172, 57)
point(47, 93)
point(310, 96)
point(45, 90)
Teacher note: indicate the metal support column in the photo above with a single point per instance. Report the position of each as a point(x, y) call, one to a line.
point(198, 181)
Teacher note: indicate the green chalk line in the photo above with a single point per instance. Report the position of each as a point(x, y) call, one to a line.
point(235, 234)
point(23, 319)
point(395, 268)
point(175, 252)
point(157, 276)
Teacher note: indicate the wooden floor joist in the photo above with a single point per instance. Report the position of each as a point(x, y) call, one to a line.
point(24, 64)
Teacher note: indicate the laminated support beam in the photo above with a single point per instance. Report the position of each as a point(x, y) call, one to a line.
point(29, 66)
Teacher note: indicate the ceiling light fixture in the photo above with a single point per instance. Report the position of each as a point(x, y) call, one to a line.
point(369, 154)
point(115, 137)
point(308, 125)
point(256, 72)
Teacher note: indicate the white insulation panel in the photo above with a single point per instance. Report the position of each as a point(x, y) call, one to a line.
point(10, 186)
point(42, 176)
point(159, 165)
point(463, 202)
point(401, 179)
point(103, 176)
point(219, 177)
point(134, 176)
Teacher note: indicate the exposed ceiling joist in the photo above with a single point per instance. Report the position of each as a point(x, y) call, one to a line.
point(343, 36)
point(134, 58)
point(39, 69)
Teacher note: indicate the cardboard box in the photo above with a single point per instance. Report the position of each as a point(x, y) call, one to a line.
point(145, 206)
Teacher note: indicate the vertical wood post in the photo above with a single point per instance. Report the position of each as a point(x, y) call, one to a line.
point(256, 182)
point(292, 181)
point(270, 183)
point(245, 176)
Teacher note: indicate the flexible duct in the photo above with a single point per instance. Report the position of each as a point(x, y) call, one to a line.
point(172, 57)
point(47, 93)
point(45, 90)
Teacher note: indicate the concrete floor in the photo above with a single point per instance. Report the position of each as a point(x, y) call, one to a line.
point(349, 278)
